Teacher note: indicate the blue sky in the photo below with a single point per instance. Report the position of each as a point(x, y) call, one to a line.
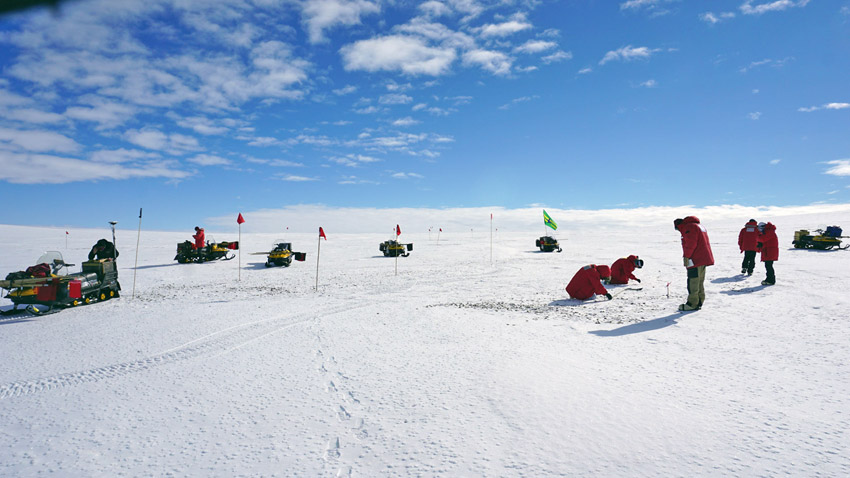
point(199, 109)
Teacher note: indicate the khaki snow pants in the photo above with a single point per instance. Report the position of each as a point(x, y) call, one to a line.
point(696, 286)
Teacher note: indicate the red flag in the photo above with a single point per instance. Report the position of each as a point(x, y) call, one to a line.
point(397, 230)
point(322, 233)
point(491, 216)
point(441, 229)
point(66, 232)
point(240, 219)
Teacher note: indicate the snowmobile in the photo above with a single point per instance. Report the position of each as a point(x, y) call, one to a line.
point(186, 251)
point(393, 248)
point(48, 287)
point(824, 240)
point(281, 254)
point(548, 244)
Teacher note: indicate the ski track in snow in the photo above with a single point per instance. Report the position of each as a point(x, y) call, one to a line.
point(217, 343)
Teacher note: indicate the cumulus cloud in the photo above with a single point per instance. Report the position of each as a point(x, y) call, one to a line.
point(516, 24)
point(557, 56)
point(495, 62)
point(406, 54)
point(401, 175)
point(840, 167)
point(37, 141)
point(535, 46)
point(754, 116)
point(774, 162)
point(394, 99)
point(297, 179)
point(747, 8)
point(712, 19)
point(321, 15)
point(628, 53)
point(649, 84)
point(209, 160)
point(406, 121)
point(157, 140)
point(827, 106)
point(353, 160)
point(48, 169)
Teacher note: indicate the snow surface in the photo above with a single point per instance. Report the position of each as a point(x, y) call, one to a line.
point(453, 367)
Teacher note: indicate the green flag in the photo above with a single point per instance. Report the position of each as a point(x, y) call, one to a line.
point(548, 221)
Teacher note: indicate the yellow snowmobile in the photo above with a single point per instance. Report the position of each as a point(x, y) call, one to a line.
point(548, 244)
point(281, 254)
point(186, 251)
point(393, 248)
point(824, 239)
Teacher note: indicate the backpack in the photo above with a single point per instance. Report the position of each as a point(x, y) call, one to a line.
point(39, 270)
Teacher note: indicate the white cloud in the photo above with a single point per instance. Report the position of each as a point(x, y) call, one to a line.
point(395, 99)
point(107, 114)
point(209, 160)
point(827, 106)
point(37, 141)
point(156, 140)
point(754, 116)
point(397, 53)
point(535, 46)
point(712, 19)
point(557, 56)
point(766, 62)
point(515, 101)
point(434, 9)
point(774, 162)
point(517, 24)
point(585, 71)
point(347, 89)
point(406, 121)
point(297, 179)
point(747, 8)
point(493, 61)
point(401, 175)
point(649, 84)
point(321, 15)
point(34, 116)
point(121, 155)
point(353, 160)
point(628, 53)
point(48, 169)
point(840, 167)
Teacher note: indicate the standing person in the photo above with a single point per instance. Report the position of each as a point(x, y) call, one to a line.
point(696, 255)
point(588, 281)
point(748, 240)
point(622, 269)
point(769, 247)
point(199, 237)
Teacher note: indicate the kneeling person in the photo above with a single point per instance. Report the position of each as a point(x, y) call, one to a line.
point(588, 281)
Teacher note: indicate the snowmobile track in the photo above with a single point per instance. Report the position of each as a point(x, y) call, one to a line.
point(214, 344)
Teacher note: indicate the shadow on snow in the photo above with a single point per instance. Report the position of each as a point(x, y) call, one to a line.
point(645, 326)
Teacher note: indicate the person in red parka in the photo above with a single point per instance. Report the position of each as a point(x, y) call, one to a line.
point(769, 247)
point(588, 281)
point(199, 237)
point(748, 240)
point(622, 269)
point(696, 255)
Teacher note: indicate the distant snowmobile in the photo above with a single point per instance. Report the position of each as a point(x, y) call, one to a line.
point(548, 244)
point(393, 248)
point(824, 239)
point(281, 254)
point(186, 251)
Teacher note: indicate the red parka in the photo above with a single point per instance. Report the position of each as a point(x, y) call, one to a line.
point(621, 270)
point(199, 238)
point(585, 283)
point(748, 238)
point(695, 245)
point(769, 243)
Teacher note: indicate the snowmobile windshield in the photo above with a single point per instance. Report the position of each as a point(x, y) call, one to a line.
point(54, 259)
point(281, 244)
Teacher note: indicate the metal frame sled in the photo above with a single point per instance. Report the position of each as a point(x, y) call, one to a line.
point(213, 251)
point(281, 254)
point(393, 248)
point(825, 239)
point(548, 244)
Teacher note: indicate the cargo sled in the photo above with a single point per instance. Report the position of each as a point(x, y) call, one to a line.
point(548, 244)
point(47, 287)
point(186, 251)
point(282, 255)
point(393, 248)
point(823, 239)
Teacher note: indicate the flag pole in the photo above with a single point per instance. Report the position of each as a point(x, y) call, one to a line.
point(136, 265)
point(239, 262)
point(66, 242)
point(491, 238)
point(318, 254)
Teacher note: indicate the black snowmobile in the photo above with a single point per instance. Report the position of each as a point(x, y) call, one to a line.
point(548, 244)
point(393, 248)
point(186, 251)
point(281, 254)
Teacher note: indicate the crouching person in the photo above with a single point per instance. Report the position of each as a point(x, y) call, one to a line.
point(588, 281)
point(103, 250)
point(623, 269)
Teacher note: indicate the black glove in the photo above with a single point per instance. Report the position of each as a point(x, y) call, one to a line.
point(609, 296)
point(759, 244)
point(637, 280)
